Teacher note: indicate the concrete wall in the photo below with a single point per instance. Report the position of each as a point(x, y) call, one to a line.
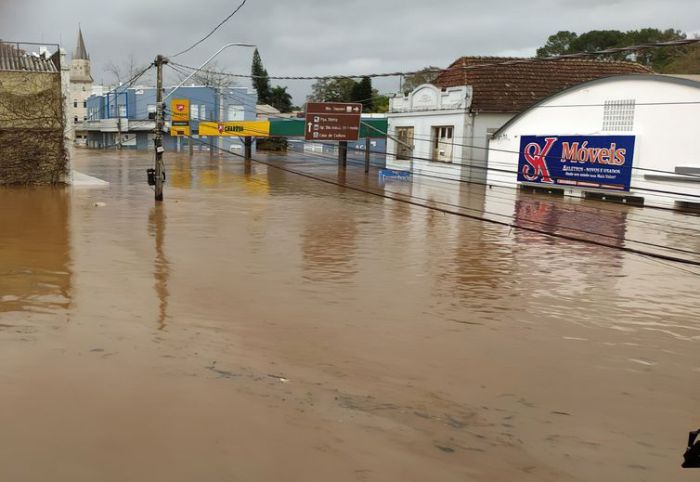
point(32, 128)
point(423, 124)
point(666, 115)
point(428, 107)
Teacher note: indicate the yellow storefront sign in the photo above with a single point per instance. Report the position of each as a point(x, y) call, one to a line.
point(235, 129)
point(180, 114)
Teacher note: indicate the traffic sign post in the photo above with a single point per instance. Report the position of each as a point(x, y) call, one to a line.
point(332, 121)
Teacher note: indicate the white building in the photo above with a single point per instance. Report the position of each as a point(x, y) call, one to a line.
point(660, 114)
point(80, 89)
point(442, 129)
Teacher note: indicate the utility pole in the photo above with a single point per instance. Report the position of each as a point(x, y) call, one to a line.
point(368, 145)
point(220, 92)
point(248, 148)
point(119, 122)
point(342, 154)
point(158, 140)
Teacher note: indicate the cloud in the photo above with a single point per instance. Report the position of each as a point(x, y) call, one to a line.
point(314, 37)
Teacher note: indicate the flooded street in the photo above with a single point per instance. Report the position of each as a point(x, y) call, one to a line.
point(260, 325)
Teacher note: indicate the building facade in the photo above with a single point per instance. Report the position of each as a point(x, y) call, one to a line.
point(80, 89)
point(125, 116)
point(442, 129)
point(32, 116)
point(655, 116)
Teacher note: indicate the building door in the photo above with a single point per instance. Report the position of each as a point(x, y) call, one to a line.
point(443, 142)
point(404, 149)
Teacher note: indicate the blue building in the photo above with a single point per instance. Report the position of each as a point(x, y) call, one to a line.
point(126, 116)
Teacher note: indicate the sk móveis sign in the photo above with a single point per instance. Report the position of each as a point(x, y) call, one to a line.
point(598, 162)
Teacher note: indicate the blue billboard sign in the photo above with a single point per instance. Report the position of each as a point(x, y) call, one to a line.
point(599, 162)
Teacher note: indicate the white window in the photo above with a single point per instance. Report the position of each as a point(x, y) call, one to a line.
point(443, 143)
point(194, 111)
point(122, 111)
point(618, 115)
point(203, 112)
point(404, 149)
point(236, 113)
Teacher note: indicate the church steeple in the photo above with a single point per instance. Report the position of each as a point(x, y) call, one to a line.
point(80, 65)
point(80, 50)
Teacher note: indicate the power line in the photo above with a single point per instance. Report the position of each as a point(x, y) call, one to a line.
point(471, 146)
point(475, 217)
point(510, 151)
point(663, 223)
point(563, 227)
point(507, 171)
point(631, 48)
point(212, 32)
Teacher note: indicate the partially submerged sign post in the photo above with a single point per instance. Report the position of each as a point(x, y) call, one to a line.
point(333, 121)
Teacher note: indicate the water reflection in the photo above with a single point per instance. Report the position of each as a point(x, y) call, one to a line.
point(329, 244)
point(329, 240)
point(553, 216)
point(35, 250)
point(161, 266)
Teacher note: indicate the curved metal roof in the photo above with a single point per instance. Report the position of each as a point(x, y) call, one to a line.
point(651, 77)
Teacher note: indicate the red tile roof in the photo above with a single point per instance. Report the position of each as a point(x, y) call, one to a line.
point(516, 86)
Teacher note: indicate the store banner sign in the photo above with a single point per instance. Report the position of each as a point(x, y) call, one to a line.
point(598, 162)
point(235, 129)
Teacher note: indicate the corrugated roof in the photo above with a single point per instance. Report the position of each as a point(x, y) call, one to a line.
point(14, 58)
point(513, 87)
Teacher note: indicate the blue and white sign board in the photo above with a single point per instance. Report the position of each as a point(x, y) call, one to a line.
point(393, 174)
point(599, 162)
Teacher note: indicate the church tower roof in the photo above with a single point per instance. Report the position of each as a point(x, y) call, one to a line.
point(80, 50)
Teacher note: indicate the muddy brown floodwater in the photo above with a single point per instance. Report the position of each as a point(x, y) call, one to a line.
point(261, 326)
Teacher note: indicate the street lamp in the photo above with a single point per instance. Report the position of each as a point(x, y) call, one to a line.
point(206, 62)
point(158, 172)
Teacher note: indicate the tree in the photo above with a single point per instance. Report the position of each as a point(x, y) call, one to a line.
point(124, 71)
point(381, 104)
point(599, 40)
point(362, 92)
point(686, 63)
point(261, 80)
point(213, 76)
point(331, 90)
point(557, 44)
point(280, 99)
point(423, 76)
point(565, 42)
point(659, 58)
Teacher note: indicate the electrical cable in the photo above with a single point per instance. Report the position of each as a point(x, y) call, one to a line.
point(266, 134)
point(631, 48)
point(481, 218)
point(212, 32)
point(423, 138)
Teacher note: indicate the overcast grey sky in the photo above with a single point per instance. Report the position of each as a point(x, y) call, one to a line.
point(327, 36)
